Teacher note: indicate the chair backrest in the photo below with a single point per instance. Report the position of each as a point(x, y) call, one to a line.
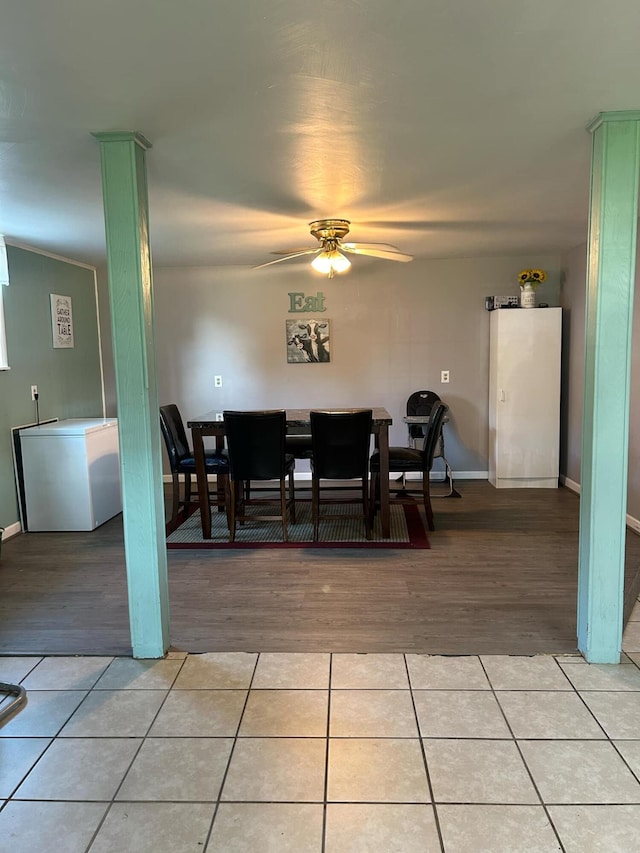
point(434, 429)
point(421, 403)
point(255, 441)
point(175, 438)
point(340, 443)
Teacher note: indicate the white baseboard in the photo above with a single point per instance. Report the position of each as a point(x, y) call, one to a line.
point(457, 475)
point(570, 484)
point(11, 530)
point(435, 476)
point(632, 522)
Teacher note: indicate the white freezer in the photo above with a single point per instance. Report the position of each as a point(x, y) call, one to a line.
point(71, 473)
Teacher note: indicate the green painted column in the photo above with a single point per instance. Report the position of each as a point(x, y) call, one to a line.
point(124, 187)
point(605, 427)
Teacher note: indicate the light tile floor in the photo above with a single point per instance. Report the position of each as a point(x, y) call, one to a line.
point(319, 753)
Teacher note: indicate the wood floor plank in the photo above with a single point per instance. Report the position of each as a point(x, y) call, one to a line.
point(501, 578)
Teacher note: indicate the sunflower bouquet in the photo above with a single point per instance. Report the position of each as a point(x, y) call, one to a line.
point(532, 277)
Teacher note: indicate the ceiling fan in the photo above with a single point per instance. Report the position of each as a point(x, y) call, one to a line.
point(329, 257)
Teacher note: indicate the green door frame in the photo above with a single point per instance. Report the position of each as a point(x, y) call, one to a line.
point(124, 188)
point(605, 426)
point(613, 225)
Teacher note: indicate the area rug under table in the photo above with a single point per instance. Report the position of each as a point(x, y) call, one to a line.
point(407, 530)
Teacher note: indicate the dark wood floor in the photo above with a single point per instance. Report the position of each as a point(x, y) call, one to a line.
point(501, 577)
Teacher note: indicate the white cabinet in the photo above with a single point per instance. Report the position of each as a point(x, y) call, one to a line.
point(71, 472)
point(524, 398)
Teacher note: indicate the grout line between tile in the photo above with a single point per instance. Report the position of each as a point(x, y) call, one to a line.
point(326, 759)
point(436, 816)
point(231, 752)
point(137, 752)
point(520, 753)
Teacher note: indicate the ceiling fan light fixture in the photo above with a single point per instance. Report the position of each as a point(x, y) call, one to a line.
point(330, 261)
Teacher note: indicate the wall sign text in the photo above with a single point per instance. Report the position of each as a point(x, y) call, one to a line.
point(61, 321)
point(301, 304)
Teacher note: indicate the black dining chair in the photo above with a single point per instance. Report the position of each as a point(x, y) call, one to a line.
point(340, 451)
point(182, 461)
point(420, 404)
point(410, 459)
point(256, 448)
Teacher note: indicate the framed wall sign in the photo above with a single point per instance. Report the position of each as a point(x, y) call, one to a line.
point(308, 341)
point(61, 321)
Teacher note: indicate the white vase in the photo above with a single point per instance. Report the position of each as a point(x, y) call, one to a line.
point(527, 296)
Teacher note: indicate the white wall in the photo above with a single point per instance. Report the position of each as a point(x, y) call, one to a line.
point(394, 327)
point(573, 303)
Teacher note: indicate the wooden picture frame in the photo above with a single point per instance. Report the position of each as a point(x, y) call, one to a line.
point(308, 341)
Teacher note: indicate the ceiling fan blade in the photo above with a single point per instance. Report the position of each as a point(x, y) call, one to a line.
point(370, 246)
point(299, 251)
point(288, 258)
point(404, 224)
point(355, 249)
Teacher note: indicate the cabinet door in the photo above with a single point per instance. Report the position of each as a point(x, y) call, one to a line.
point(527, 385)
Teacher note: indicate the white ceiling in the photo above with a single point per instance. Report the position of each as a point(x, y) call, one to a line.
point(448, 127)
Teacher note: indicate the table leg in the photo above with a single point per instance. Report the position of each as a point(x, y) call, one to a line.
point(201, 477)
point(383, 448)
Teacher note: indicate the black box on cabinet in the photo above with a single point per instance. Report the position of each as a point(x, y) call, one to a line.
point(493, 302)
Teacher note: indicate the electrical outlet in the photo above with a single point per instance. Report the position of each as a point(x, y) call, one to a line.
point(217, 382)
point(219, 416)
point(34, 391)
point(444, 376)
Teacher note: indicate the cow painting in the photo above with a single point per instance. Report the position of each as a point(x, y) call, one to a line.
point(308, 341)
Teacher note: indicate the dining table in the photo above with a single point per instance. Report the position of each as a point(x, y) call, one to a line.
point(210, 424)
